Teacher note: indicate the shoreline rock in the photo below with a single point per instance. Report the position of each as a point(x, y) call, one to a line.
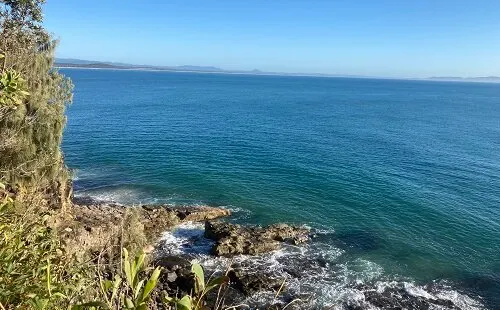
point(95, 224)
point(98, 222)
point(232, 239)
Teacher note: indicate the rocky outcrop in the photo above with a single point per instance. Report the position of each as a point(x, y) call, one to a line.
point(398, 297)
point(249, 282)
point(96, 225)
point(155, 218)
point(232, 239)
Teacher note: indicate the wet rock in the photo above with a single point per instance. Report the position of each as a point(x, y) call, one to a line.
point(247, 245)
point(397, 297)
point(172, 262)
point(232, 239)
point(249, 283)
point(176, 278)
point(286, 233)
point(200, 213)
point(158, 218)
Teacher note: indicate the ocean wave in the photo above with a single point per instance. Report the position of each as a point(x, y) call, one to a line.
point(318, 275)
point(238, 213)
point(121, 195)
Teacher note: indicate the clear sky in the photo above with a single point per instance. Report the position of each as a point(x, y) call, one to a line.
point(397, 38)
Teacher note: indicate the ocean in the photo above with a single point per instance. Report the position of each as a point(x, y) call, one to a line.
point(400, 179)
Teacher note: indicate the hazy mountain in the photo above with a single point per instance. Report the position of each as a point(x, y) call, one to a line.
point(495, 79)
point(198, 68)
point(71, 62)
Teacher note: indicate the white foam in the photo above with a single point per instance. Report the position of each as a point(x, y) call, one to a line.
point(461, 300)
point(120, 195)
point(237, 212)
point(327, 279)
point(414, 290)
point(186, 238)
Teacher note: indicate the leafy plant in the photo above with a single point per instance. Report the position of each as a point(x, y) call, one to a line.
point(34, 273)
point(5, 199)
point(197, 300)
point(133, 292)
point(12, 88)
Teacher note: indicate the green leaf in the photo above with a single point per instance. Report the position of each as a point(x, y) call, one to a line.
point(200, 277)
point(185, 303)
point(168, 299)
point(116, 285)
point(137, 289)
point(151, 284)
point(60, 295)
point(127, 267)
point(217, 282)
point(139, 260)
point(129, 303)
point(107, 285)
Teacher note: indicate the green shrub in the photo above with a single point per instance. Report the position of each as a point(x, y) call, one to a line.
point(33, 97)
point(34, 272)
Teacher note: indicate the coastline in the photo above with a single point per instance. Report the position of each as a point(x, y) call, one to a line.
point(260, 266)
point(117, 68)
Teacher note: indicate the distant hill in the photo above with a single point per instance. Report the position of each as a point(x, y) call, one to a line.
point(495, 79)
point(74, 61)
point(79, 63)
point(198, 68)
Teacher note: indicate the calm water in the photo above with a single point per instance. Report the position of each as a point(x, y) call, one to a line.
point(402, 174)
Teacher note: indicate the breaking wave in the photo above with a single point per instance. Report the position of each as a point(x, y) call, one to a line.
point(318, 276)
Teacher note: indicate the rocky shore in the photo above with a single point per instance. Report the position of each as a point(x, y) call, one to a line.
point(242, 248)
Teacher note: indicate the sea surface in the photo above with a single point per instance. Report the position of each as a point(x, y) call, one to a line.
point(400, 179)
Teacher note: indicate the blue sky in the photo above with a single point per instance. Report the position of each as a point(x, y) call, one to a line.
point(399, 38)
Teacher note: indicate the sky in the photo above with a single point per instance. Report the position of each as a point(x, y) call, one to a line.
point(397, 38)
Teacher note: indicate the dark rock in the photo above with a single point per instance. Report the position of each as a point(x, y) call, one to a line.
point(172, 262)
point(249, 283)
point(287, 233)
point(200, 213)
point(399, 298)
point(232, 239)
point(176, 278)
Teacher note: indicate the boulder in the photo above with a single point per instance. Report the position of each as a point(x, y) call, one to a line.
point(176, 277)
point(232, 239)
point(249, 283)
point(200, 213)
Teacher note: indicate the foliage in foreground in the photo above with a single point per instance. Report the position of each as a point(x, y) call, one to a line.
point(35, 273)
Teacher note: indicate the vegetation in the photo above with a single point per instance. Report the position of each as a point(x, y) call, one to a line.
point(36, 269)
point(34, 272)
point(33, 97)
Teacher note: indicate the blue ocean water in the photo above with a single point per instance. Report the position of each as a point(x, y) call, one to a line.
point(398, 174)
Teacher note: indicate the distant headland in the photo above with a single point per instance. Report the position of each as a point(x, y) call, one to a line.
point(79, 63)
